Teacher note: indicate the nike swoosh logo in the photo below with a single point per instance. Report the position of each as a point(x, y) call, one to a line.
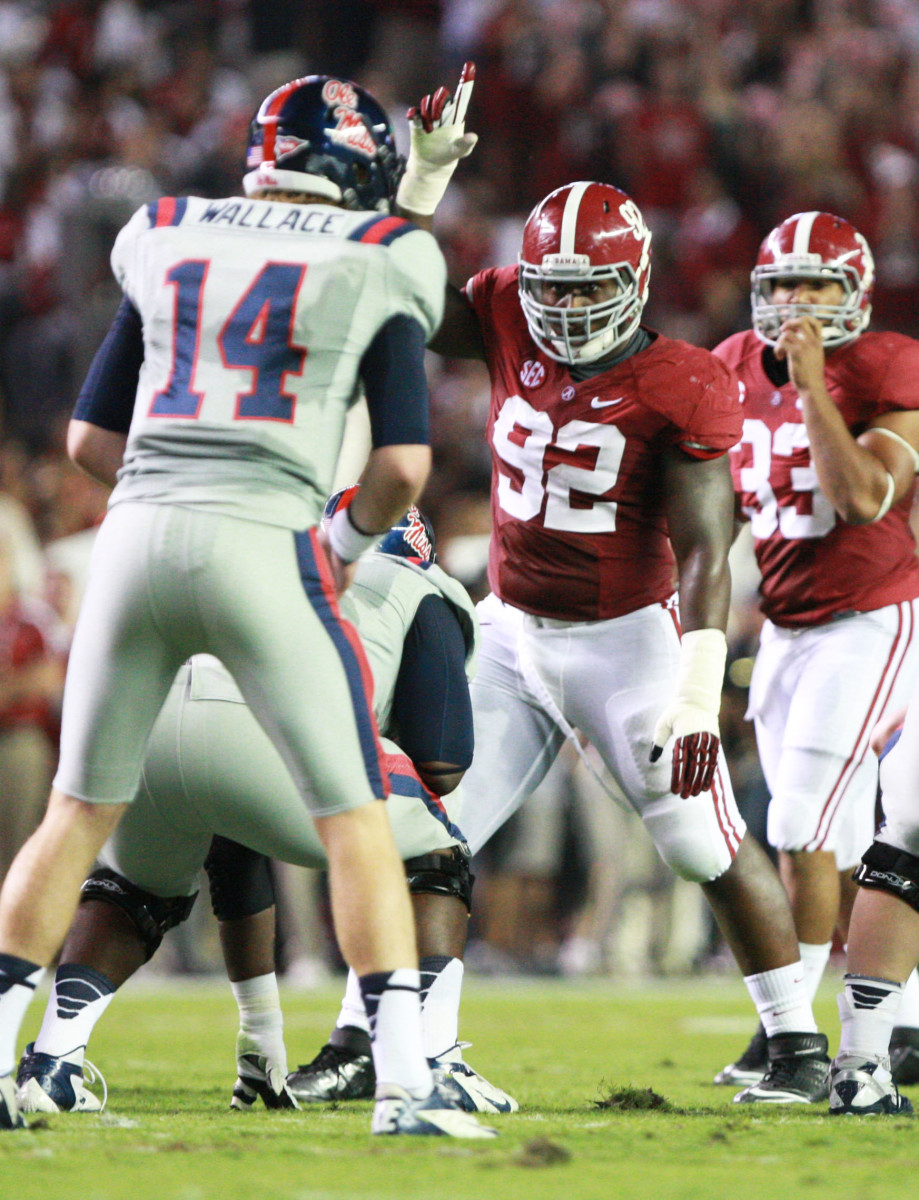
point(598, 403)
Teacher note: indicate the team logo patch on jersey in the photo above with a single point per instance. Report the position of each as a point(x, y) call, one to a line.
point(568, 392)
point(532, 374)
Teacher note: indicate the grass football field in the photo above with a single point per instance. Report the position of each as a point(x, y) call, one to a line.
point(613, 1079)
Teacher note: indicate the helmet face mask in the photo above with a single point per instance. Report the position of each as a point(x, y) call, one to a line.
point(821, 248)
point(584, 239)
point(325, 137)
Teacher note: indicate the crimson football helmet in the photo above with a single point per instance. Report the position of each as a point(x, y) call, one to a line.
point(581, 235)
point(327, 137)
point(825, 248)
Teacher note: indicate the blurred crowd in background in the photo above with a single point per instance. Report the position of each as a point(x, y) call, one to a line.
point(719, 117)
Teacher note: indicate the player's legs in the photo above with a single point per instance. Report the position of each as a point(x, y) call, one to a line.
point(883, 947)
point(305, 677)
point(516, 740)
point(814, 740)
point(702, 838)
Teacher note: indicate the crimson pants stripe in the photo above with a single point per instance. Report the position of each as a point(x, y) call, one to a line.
point(879, 701)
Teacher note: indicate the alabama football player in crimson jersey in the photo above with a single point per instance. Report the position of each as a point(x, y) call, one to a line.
point(824, 472)
point(612, 506)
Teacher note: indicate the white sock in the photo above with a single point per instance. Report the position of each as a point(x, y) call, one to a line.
point(780, 997)
point(79, 997)
point(393, 1003)
point(441, 987)
point(868, 1011)
point(259, 1003)
point(352, 1005)
point(909, 1003)
point(261, 1017)
point(814, 959)
point(18, 981)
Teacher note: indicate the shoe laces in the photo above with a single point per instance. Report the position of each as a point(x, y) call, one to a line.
point(785, 1070)
point(92, 1075)
point(330, 1057)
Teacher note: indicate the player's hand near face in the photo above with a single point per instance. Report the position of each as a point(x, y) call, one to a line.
point(800, 343)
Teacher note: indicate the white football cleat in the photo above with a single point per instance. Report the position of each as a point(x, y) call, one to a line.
point(441, 1114)
point(862, 1087)
point(477, 1093)
point(50, 1084)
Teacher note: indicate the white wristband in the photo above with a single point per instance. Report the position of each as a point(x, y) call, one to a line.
point(347, 542)
point(895, 437)
point(703, 653)
point(421, 193)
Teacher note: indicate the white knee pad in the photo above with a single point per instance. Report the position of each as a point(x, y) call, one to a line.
point(696, 840)
point(823, 801)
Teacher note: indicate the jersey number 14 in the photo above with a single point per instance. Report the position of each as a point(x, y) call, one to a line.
point(256, 336)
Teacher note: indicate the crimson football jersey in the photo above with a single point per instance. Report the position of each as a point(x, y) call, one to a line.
point(813, 564)
point(579, 529)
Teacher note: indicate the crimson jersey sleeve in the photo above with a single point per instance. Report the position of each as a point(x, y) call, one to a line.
point(701, 394)
point(882, 369)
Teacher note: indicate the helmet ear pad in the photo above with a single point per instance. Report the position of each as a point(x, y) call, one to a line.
point(326, 137)
point(816, 246)
point(584, 234)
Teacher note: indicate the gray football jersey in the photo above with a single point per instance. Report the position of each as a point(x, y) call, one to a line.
point(256, 315)
point(381, 603)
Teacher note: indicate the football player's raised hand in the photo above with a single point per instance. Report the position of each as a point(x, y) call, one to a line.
point(439, 141)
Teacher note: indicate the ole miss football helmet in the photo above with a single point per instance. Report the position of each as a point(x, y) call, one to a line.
point(412, 537)
point(327, 137)
point(821, 247)
point(580, 236)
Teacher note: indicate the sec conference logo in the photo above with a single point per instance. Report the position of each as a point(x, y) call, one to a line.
point(532, 374)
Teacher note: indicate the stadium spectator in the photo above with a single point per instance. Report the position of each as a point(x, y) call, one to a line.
point(31, 682)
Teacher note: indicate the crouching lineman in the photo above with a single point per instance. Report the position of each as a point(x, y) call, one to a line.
point(208, 766)
point(883, 947)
